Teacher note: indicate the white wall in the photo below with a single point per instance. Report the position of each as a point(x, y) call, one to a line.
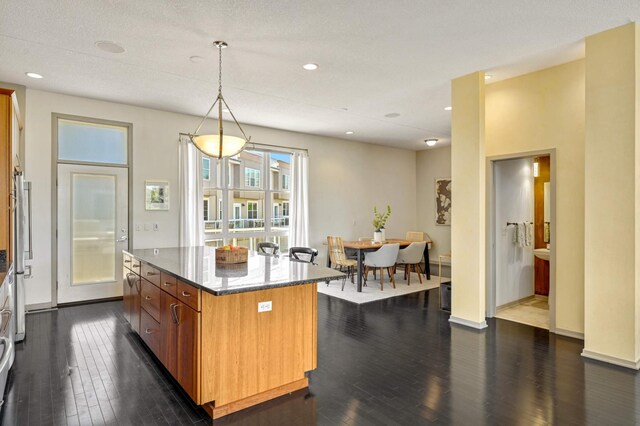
point(432, 164)
point(346, 178)
point(513, 181)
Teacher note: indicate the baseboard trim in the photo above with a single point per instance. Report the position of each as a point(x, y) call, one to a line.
point(514, 303)
point(611, 359)
point(468, 323)
point(37, 307)
point(569, 333)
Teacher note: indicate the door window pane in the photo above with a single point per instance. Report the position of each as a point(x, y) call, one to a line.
point(93, 216)
point(92, 142)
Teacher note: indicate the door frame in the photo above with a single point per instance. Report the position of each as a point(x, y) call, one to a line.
point(490, 240)
point(54, 186)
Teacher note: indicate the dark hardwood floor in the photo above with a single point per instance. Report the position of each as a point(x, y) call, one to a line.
point(396, 361)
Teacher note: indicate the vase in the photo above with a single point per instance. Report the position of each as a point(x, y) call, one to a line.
point(384, 236)
point(377, 237)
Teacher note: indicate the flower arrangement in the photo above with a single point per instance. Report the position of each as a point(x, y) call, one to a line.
point(380, 219)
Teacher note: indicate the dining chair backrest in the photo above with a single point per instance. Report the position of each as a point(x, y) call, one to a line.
point(336, 250)
point(268, 248)
point(415, 236)
point(384, 257)
point(303, 254)
point(412, 254)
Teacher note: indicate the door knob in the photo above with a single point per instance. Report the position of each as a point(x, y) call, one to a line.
point(122, 239)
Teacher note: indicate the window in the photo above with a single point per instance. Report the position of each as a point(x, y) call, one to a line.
point(206, 209)
point(206, 169)
point(251, 177)
point(84, 141)
point(252, 210)
point(247, 201)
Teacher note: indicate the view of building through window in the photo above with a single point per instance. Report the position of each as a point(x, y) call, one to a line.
point(252, 202)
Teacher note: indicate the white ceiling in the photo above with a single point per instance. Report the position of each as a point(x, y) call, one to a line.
point(376, 57)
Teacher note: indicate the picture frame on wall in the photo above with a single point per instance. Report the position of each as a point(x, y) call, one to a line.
point(156, 195)
point(443, 201)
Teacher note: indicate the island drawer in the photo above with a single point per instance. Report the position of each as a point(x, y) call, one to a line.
point(133, 264)
point(150, 299)
point(151, 274)
point(168, 283)
point(126, 260)
point(189, 294)
point(150, 332)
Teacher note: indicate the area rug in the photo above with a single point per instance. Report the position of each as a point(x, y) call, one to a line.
point(372, 292)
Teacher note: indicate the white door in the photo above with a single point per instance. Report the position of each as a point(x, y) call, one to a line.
point(92, 231)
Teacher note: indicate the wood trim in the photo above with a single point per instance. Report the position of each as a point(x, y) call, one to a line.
point(232, 407)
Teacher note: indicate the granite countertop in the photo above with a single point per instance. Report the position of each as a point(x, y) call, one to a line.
point(197, 266)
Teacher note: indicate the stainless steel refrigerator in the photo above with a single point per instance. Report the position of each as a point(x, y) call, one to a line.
point(22, 226)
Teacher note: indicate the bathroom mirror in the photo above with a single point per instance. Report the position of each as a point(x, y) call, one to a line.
point(547, 212)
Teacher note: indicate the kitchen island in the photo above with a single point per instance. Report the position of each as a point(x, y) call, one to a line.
point(232, 336)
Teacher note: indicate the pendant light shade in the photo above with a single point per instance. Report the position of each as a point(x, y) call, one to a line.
point(210, 145)
point(219, 144)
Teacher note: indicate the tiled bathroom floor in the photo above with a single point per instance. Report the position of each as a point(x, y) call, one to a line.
point(533, 312)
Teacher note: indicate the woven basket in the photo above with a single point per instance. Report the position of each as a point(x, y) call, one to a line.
point(237, 255)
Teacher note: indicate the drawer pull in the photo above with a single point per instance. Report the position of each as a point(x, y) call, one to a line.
point(127, 261)
point(150, 274)
point(147, 298)
point(149, 331)
point(166, 284)
point(135, 266)
point(185, 294)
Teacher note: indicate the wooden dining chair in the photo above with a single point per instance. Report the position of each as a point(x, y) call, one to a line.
point(339, 258)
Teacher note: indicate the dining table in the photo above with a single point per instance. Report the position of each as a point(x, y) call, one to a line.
point(361, 247)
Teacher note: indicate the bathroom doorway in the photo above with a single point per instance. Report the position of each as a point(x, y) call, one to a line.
point(520, 261)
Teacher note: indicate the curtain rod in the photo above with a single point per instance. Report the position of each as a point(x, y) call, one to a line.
point(264, 145)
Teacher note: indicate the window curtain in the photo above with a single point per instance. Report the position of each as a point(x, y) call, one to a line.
point(299, 215)
point(191, 194)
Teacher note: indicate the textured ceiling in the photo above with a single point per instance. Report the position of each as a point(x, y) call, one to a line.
point(376, 57)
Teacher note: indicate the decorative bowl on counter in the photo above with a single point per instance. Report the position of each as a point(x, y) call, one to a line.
point(231, 255)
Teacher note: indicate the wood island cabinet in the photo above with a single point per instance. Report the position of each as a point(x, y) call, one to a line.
point(229, 346)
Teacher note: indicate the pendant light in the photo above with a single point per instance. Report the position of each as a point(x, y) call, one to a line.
point(219, 145)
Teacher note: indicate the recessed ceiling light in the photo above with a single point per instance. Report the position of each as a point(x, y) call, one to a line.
point(431, 142)
point(310, 67)
point(349, 132)
point(447, 108)
point(487, 76)
point(195, 59)
point(392, 115)
point(33, 75)
point(109, 46)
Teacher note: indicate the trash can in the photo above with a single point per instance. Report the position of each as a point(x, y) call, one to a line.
point(445, 296)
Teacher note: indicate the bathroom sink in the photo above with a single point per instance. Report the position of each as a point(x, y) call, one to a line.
point(542, 253)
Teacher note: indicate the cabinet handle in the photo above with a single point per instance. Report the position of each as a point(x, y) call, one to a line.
point(135, 265)
point(147, 298)
point(129, 275)
point(185, 294)
point(174, 313)
point(149, 274)
point(148, 331)
point(127, 261)
point(166, 284)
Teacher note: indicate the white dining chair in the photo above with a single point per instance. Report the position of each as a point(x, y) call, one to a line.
point(383, 258)
point(410, 257)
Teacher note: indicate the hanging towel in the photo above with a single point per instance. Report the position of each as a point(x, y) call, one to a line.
point(521, 229)
point(515, 234)
point(528, 234)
